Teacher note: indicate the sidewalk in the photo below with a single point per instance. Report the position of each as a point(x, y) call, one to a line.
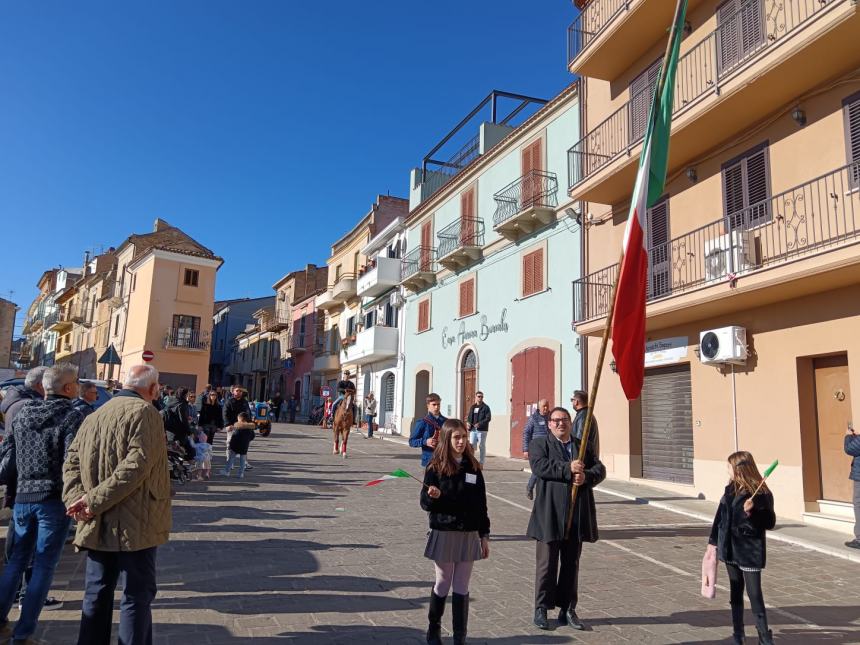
point(789, 531)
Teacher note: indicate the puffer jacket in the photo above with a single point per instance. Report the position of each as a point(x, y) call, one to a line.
point(118, 460)
point(852, 448)
point(14, 400)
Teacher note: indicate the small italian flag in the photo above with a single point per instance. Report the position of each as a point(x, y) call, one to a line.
point(397, 474)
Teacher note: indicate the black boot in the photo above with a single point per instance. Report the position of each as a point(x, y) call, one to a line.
point(738, 624)
point(434, 616)
point(765, 635)
point(460, 617)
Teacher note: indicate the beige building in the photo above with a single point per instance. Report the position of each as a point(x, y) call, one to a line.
point(162, 302)
point(754, 240)
point(7, 329)
point(258, 352)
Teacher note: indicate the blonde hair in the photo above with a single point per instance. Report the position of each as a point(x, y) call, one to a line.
point(745, 474)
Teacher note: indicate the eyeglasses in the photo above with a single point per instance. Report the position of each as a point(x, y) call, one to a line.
point(558, 421)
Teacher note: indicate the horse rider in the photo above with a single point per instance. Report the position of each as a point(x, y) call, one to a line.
point(344, 387)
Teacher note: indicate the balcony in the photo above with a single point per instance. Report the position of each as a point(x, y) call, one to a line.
point(326, 358)
point(460, 243)
point(371, 345)
point(344, 287)
point(418, 268)
point(61, 322)
point(803, 240)
point(184, 338)
point(299, 343)
point(724, 83)
point(327, 301)
point(526, 204)
point(382, 275)
point(280, 320)
point(608, 36)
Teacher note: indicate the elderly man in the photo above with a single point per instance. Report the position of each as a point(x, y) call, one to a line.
point(38, 438)
point(16, 397)
point(89, 395)
point(118, 490)
point(535, 427)
point(555, 461)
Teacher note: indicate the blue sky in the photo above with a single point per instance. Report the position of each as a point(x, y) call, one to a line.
point(262, 128)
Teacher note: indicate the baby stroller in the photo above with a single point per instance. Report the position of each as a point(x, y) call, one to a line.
point(261, 418)
point(177, 465)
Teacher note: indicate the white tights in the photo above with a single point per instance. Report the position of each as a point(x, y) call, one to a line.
point(452, 575)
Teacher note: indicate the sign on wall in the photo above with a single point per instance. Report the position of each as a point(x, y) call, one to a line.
point(666, 351)
point(482, 331)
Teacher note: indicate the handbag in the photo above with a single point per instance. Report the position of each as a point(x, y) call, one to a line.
point(709, 572)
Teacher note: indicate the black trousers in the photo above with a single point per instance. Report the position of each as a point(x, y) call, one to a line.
point(752, 581)
point(557, 586)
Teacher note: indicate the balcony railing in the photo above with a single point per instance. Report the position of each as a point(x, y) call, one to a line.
point(589, 23)
point(818, 216)
point(462, 233)
point(184, 338)
point(740, 39)
point(534, 189)
point(421, 259)
point(298, 341)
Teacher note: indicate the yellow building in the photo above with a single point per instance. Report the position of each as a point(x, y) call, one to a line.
point(755, 240)
point(162, 302)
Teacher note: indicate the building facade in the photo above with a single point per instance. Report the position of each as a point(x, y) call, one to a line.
point(8, 311)
point(755, 240)
point(487, 268)
point(230, 319)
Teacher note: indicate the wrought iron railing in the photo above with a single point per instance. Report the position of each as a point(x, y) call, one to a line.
point(299, 340)
point(814, 217)
point(421, 259)
point(589, 23)
point(737, 41)
point(535, 188)
point(444, 171)
point(463, 233)
point(185, 338)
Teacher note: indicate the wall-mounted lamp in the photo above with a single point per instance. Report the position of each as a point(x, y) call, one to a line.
point(697, 353)
point(799, 116)
point(576, 216)
point(691, 174)
point(613, 366)
point(688, 28)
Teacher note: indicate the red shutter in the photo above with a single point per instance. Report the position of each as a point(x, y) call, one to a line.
point(424, 315)
point(532, 159)
point(537, 267)
point(528, 275)
point(467, 297)
point(467, 217)
point(424, 263)
point(471, 293)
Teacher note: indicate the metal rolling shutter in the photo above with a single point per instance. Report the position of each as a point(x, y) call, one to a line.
point(667, 425)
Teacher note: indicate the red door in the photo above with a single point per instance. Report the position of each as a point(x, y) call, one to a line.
point(533, 379)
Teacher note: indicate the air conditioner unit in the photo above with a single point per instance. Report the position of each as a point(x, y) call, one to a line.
point(723, 345)
point(731, 253)
point(396, 299)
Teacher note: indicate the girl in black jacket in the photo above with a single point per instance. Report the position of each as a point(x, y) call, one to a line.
point(738, 533)
point(456, 497)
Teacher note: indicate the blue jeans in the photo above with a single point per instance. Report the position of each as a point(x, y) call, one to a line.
point(243, 463)
point(368, 419)
point(478, 439)
point(135, 618)
point(41, 527)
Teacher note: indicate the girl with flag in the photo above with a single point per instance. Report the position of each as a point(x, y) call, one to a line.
point(455, 496)
point(738, 534)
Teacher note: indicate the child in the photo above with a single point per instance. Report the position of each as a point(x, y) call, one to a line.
point(455, 495)
point(425, 435)
point(240, 438)
point(738, 533)
point(203, 456)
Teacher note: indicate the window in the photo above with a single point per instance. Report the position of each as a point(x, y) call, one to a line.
point(659, 251)
point(337, 271)
point(532, 278)
point(355, 264)
point(746, 189)
point(390, 315)
point(192, 276)
point(369, 319)
point(641, 92)
point(467, 297)
point(424, 315)
point(531, 158)
point(851, 106)
point(740, 32)
point(185, 331)
point(350, 326)
point(467, 218)
point(134, 281)
point(116, 326)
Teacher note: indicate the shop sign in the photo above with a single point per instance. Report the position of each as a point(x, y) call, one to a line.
point(665, 351)
point(485, 329)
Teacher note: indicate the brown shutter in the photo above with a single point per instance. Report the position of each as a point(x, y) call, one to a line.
point(472, 304)
point(537, 260)
point(528, 275)
point(467, 297)
point(423, 315)
point(463, 296)
point(532, 159)
point(757, 188)
point(728, 35)
point(746, 189)
point(467, 217)
point(424, 262)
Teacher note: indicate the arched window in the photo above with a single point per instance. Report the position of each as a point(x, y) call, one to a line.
point(468, 381)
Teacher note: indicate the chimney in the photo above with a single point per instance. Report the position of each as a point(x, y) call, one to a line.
point(86, 263)
point(160, 225)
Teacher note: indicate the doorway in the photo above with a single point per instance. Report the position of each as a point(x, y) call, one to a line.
point(468, 382)
point(832, 412)
point(667, 424)
point(387, 399)
point(532, 379)
point(422, 389)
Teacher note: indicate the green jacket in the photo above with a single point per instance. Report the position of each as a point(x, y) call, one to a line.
point(118, 460)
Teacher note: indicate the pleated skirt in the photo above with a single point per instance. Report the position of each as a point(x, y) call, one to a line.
point(453, 546)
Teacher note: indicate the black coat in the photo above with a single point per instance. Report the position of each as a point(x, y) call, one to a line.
point(232, 408)
point(484, 416)
point(211, 415)
point(462, 505)
point(241, 439)
point(550, 463)
point(741, 539)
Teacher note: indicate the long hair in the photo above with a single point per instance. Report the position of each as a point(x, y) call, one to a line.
point(745, 474)
point(444, 459)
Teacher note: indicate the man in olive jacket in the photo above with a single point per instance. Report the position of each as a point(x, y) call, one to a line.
point(116, 486)
point(554, 460)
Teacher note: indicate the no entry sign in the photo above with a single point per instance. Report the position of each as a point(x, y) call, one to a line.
point(147, 355)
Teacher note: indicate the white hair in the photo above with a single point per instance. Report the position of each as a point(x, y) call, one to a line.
point(141, 376)
point(57, 376)
point(34, 376)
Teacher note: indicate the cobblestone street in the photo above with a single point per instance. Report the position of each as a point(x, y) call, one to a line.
point(300, 552)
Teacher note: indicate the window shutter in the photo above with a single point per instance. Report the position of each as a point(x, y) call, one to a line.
point(472, 304)
point(424, 261)
point(537, 261)
point(756, 188)
point(658, 249)
point(746, 190)
point(423, 315)
point(852, 136)
point(467, 217)
point(733, 194)
point(464, 294)
point(641, 92)
point(728, 35)
point(528, 275)
point(752, 27)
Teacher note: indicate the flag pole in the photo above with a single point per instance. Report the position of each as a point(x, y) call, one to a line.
point(601, 356)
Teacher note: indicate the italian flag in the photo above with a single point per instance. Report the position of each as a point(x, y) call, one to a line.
point(628, 319)
point(397, 474)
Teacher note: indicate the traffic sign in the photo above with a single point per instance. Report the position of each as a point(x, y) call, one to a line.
point(147, 355)
point(325, 391)
point(289, 363)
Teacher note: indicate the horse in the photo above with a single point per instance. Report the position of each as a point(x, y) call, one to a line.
point(343, 420)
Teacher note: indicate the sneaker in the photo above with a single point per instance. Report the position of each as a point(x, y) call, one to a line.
point(249, 467)
point(52, 603)
point(853, 544)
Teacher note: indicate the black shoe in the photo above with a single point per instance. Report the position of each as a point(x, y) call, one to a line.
point(540, 618)
point(434, 616)
point(853, 544)
point(765, 638)
point(738, 639)
point(568, 617)
point(460, 617)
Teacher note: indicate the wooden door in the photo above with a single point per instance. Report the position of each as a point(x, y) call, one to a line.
point(468, 383)
point(532, 379)
point(532, 160)
point(424, 262)
point(833, 411)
